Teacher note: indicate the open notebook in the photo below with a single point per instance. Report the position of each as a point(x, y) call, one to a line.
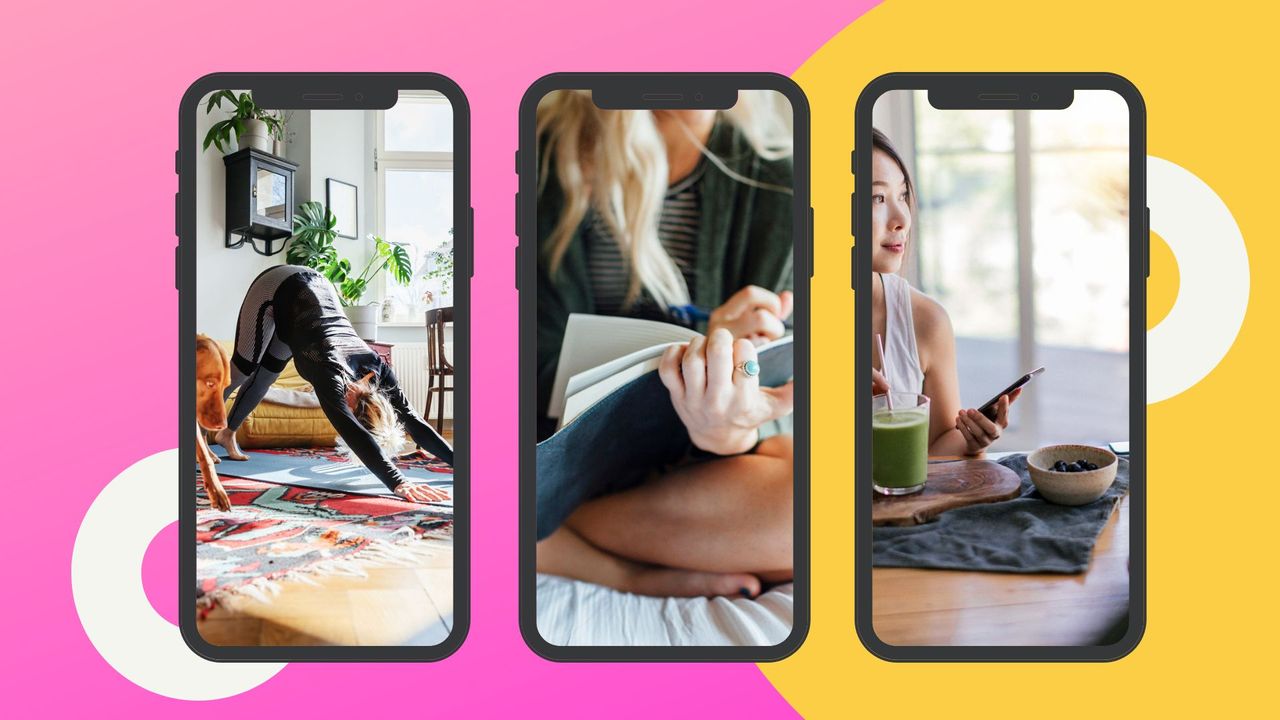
point(617, 424)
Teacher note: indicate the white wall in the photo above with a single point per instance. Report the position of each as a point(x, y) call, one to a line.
point(325, 143)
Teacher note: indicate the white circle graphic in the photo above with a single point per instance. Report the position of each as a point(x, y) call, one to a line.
point(1213, 267)
point(106, 582)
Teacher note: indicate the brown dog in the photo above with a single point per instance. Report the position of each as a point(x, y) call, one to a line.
point(213, 375)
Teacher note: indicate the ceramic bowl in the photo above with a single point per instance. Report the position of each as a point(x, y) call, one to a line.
point(1072, 488)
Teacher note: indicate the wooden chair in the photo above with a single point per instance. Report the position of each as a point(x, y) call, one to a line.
point(438, 366)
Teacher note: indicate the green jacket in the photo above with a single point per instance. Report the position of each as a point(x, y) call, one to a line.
point(744, 238)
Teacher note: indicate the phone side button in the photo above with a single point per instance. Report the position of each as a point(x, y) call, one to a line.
point(853, 267)
point(517, 214)
point(853, 214)
point(517, 162)
point(471, 244)
point(853, 162)
point(177, 267)
point(177, 214)
point(177, 162)
point(811, 259)
point(1146, 240)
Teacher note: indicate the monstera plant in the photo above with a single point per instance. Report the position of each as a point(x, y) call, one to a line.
point(312, 245)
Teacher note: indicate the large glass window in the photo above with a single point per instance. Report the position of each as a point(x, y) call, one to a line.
point(1022, 236)
point(414, 168)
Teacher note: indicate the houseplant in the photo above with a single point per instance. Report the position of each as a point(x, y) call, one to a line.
point(253, 126)
point(314, 231)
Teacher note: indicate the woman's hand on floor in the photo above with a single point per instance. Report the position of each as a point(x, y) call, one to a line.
point(754, 314)
point(979, 431)
point(720, 405)
point(415, 492)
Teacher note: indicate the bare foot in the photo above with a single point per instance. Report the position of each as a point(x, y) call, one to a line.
point(226, 437)
point(670, 582)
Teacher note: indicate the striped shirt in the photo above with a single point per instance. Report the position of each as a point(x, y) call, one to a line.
point(678, 233)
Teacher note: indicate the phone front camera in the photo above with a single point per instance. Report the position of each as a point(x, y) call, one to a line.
point(359, 97)
point(697, 97)
point(1035, 97)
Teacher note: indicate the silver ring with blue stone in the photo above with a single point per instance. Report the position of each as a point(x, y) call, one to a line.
point(750, 368)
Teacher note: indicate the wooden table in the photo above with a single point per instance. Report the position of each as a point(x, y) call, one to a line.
point(950, 607)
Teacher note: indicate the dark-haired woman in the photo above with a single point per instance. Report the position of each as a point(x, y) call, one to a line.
point(920, 346)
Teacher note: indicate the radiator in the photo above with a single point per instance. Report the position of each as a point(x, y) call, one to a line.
point(409, 360)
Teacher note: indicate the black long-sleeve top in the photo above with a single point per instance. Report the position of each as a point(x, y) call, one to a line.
point(329, 354)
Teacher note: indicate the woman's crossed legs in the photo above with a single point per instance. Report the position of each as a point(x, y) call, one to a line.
point(720, 527)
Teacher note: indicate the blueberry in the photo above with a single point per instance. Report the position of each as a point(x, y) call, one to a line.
point(1090, 466)
point(1073, 467)
point(1060, 466)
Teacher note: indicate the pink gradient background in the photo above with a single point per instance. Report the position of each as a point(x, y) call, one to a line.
point(90, 124)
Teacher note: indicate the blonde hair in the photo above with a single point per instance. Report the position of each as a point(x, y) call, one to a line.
point(374, 412)
point(614, 162)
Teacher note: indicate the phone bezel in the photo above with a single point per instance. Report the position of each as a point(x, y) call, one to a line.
point(335, 91)
point(1014, 89)
point(620, 87)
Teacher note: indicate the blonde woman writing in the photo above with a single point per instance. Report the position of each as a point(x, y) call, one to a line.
point(640, 212)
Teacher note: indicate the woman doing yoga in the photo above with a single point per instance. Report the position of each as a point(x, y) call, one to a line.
point(294, 311)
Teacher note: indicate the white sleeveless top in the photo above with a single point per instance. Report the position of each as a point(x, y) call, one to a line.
point(903, 359)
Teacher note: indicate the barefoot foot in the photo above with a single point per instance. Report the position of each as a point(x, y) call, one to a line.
point(226, 437)
point(670, 582)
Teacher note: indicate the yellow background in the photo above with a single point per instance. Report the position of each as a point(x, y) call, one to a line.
point(1207, 74)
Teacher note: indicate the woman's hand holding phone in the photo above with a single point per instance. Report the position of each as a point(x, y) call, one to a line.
point(720, 406)
point(978, 430)
point(753, 313)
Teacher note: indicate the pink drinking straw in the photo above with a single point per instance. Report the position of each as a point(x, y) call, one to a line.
point(888, 397)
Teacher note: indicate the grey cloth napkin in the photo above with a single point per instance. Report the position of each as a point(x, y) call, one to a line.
point(1027, 534)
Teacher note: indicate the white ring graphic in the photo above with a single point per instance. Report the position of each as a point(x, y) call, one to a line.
point(1213, 292)
point(106, 582)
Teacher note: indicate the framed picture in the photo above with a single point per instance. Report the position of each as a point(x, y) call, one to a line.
point(342, 199)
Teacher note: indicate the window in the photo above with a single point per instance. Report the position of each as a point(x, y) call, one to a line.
point(1022, 235)
point(413, 165)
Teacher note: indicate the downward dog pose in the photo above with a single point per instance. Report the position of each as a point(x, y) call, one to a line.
point(294, 311)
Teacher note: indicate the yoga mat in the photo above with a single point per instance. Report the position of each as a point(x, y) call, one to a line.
point(320, 471)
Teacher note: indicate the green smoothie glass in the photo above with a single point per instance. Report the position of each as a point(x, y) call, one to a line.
point(899, 443)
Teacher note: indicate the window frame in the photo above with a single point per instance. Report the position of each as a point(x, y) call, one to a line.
point(404, 160)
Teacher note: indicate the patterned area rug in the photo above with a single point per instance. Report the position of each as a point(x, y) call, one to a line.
point(273, 532)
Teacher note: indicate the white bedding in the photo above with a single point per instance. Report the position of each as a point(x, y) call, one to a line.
point(577, 613)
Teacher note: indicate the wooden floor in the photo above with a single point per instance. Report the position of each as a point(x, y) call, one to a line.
point(395, 605)
point(947, 607)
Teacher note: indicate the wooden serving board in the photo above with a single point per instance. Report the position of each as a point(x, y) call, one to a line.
point(952, 484)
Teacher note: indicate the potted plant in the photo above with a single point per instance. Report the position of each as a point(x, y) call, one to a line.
point(253, 126)
point(314, 231)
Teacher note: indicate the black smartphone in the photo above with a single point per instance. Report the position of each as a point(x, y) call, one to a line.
point(988, 408)
point(323, 268)
point(665, 245)
point(1025, 193)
